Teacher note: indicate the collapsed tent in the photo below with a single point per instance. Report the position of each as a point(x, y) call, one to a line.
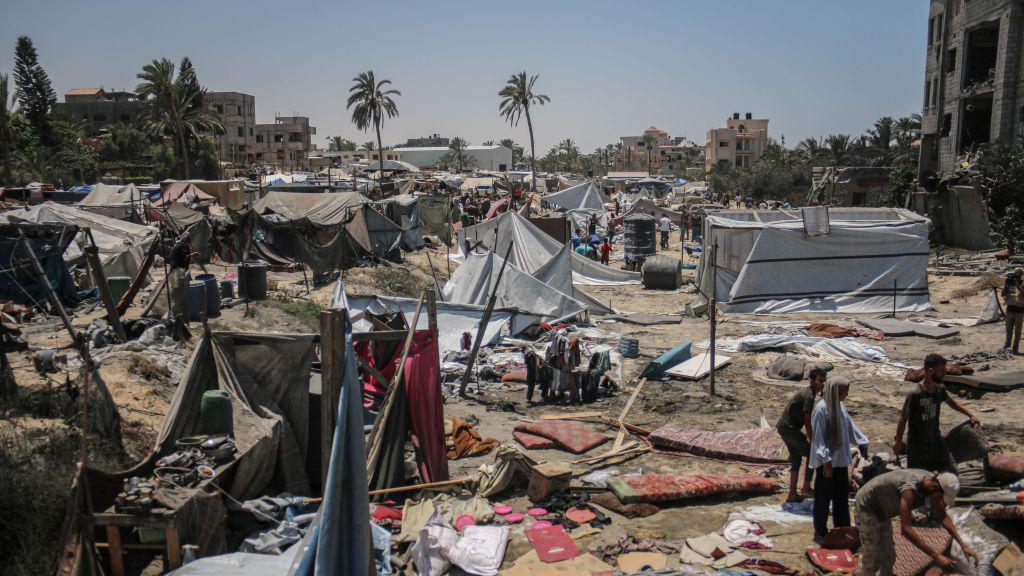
point(323, 231)
point(585, 196)
point(872, 260)
point(182, 192)
point(645, 206)
point(532, 249)
point(477, 277)
point(19, 282)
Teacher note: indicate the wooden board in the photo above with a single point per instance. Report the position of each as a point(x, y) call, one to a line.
point(698, 367)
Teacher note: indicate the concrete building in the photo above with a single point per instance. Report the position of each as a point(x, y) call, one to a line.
point(481, 157)
point(667, 155)
point(286, 143)
point(740, 144)
point(237, 113)
point(321, 159)
point(99, 108)
point(974, 80)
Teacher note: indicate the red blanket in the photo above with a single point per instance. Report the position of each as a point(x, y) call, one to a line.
point(572, 436)
point(760, 445)
point(532, 442)
point(656, 487)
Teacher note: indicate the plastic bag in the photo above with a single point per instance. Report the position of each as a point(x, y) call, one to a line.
point(430, 552)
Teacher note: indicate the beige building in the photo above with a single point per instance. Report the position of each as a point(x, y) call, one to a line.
point(286, 143)
point(237, 113)
point(657, 151)
point(740, 144)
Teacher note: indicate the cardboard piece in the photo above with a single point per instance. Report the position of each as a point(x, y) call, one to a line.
point(552, 544)
point(1010, 562)
point(529, 565)
point(632, 562)
point(698, 367)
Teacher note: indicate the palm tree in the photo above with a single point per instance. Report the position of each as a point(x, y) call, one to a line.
point(488, 143)
point(516, 98)
point(457, 146)
point(176, 107)
point(571, 151)
point(517, 150)
point(368, 146)
point(838, 146)
point(6, 128)
point(370, 102)
point(338, 144)
point(907, 129)
point(811, 149)
point(882, 134)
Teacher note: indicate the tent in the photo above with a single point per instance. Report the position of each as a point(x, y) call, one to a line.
point(435, 216)
point(645, 206)
point(873, 260)
point(404, 209)
point(113, 201)
point(473, 282)
point(585, 196)
point(182, 192)
point(18, 282)
point(558, 274)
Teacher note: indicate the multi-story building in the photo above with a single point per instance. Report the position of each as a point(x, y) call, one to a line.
point(286, 143)
point(740, 144)
point(237, 113)
point(974, 81)
point(655, 150)
point(99, 108)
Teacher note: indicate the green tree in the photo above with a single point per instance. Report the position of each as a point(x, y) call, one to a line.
point(176, 107)
point(517, 150)
point(124, 143)
point(516, 99)
point(6, 129)
point(368, 146)
point(838, 147)
point(457, 148)
point(371, 101)
point(907, 130)
point(33, 89)
point(339, 144)
point(570, 153)
point(488, 143)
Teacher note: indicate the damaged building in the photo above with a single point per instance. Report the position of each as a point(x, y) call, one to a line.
point(973, 95)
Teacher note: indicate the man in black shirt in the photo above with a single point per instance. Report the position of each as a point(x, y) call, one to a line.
point(920, 416)
point(794, 426)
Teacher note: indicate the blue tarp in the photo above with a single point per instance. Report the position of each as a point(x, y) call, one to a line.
point(18, 282)
point(340, 541)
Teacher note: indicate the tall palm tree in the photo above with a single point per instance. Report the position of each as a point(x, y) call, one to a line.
point(457, 146)
point(882, 134)
point(838, 146)
point(176, 107)
point(371, 101)
point(571, 151)
point(488, 143)
point(516, 98)
point(339, 144)
point(907, 129)
point(6, 128)
point(368, 146)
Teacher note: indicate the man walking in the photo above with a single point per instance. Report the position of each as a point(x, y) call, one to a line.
point(665, 225)
point(920, 417)
point(1014, 302)
point(898, 493)
point(794, 426)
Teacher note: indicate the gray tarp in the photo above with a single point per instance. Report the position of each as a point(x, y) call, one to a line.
point(557, 273)
point(404, 210)
point(318, 209)
point(585, 196)
point(435, 217)
point(473, 282)
point(645, 206)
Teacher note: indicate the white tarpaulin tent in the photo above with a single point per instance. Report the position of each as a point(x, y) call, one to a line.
point(557, 273)
point(767, 264)
point(585, 196)
point(532, 248)
point(473, 282)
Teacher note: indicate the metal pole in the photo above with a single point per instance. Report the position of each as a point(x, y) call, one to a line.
point(713, 314)
point(483, 324)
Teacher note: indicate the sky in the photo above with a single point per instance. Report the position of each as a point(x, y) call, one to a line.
point(611, 69)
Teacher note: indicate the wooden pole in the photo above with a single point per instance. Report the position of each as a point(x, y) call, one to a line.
point(126, 301)
point(713, 314)
point(437, 284)
point(92, 257)
point(332, 361)
point(426, 486)
point(483, 324)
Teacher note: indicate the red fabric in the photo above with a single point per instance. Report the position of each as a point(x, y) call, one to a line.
point(572, 436)
point(519, 377)
point(495, 206)
point(531, 441)
point(657, 487)
point(426, 413)
point(1006, 467)
point(832, 560)
point(381, 512)
point(758, 445)
point(370, 384)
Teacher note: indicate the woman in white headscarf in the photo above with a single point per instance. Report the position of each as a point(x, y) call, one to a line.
point(834, 432)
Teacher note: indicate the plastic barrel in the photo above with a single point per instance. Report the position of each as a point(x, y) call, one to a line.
point(639, 231)
point(118, 286)
point(227, 290)
point(215, 413)
point(212, 294)
point(661, 273)
point(254, 285)
point(196, 300)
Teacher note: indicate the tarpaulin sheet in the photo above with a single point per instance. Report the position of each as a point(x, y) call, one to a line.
point(19, 283)
point(759, 445)
point(585, 196)
point(657, 487)
point(557, 274)
point(435, 217)
point(645, 206)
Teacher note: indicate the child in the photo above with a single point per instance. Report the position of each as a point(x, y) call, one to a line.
point(606, 251)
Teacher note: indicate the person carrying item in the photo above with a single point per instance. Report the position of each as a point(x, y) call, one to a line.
point(606, 251)
point(665, 226)
point(920, 417)
point(1014, 303)
point(794, 426)
point(898, 493)
point(179, 259)
point(833, 431)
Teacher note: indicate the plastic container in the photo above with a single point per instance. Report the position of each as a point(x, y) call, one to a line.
point(639, 232)
point(212, 294)
point(215, 413)
point(196, 300)
point(661, 273)
point(252, 280)
point(227, 289)
point(118, 286)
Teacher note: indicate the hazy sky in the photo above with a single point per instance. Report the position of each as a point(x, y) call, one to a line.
point(610, 68)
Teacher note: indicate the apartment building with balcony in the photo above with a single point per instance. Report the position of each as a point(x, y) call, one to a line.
point(740, 144)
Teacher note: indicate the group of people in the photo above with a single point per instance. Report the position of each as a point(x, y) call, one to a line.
point(822, 431)
point(473, 208)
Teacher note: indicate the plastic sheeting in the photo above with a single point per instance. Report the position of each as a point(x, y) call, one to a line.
point(773, 268)
point(585, 196)
point(318, 209)
point(836, 348)
point(558, 274)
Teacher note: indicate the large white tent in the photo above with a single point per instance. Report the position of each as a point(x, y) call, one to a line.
point(871, 260)
point(585, 196)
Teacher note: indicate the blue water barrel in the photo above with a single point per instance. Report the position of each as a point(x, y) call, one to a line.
point(212, 294)
point(227, 289)
point(196, 300)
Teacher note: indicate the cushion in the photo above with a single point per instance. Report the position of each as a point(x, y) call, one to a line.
point(759, 445)
point(657, 487)
point(531, 441)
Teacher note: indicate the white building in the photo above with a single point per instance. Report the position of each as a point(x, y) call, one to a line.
point(482, 157)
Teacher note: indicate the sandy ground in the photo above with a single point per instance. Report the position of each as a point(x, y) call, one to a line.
point(142, 390)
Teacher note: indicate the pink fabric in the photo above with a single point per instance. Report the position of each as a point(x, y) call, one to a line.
point(532, 441)
point(426, 412)
point(569, 435)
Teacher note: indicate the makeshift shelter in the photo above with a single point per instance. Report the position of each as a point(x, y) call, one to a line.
point(558, 274)
point(435, 216)
point(645, 206)
point(585, 196)
point(120, 202)
point(477, 277)
point(404, 210)
point(868, 260)
point(181, 192)
point(19, 282)
point(532, 249)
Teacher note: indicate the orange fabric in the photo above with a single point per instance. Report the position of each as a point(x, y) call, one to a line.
point(465, 441)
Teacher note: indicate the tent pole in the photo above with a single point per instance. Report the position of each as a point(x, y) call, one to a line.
point(713, 311)
point(483, 325)
point(92, 258)
point(437, 285)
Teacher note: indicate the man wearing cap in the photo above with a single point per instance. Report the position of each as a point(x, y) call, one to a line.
point(898, 493)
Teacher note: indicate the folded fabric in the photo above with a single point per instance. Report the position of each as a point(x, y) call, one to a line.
point(464, 441)
point(746, 534)
point(611, 502)
point(480, 550)
point(710, 545)
point(572, 436)
point(832, 560)
point(656, 487)
point(532, 441)
point(759, 445)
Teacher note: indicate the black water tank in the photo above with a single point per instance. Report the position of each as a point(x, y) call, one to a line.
point(661, 273)
point(639, 230)
point(252, 280)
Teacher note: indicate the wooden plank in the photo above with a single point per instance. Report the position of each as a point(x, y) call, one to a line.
point(116, 552)
point(380, 336)
point(131, 520)
point(571, 415)
point(698, 367)
point(400, 367)
point(332, 361)
point(139, 280)
point(622, 417)
point(173, 548)
point(92, 257)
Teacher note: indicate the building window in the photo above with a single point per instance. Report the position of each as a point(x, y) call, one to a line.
point(219, 108)
point(935, 91)
point(259, 138)
point(278, 138)
point(239, 110)
point(938, 28)
point(250, 131)
point(927, 93)
point(931, 31)
point(241, 132)
point(294, 137)
point(723, 144)
point(947, 123)
point(950, 60)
